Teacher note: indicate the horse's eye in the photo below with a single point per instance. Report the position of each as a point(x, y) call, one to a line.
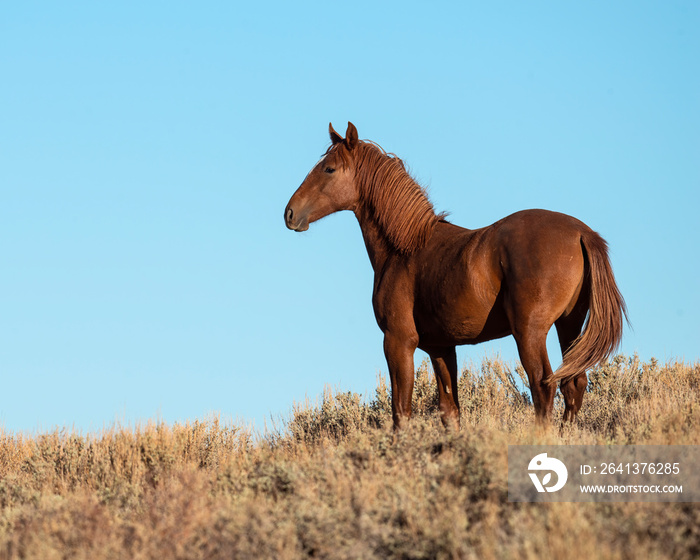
point(329, 170)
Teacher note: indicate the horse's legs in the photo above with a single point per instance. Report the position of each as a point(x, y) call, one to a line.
point(399, 352)
point(532, 347)
point(573, 389)
point(445, 367)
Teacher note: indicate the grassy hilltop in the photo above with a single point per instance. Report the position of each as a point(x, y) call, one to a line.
point(337, 483)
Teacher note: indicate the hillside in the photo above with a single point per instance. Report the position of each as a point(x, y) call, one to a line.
point(336, 482)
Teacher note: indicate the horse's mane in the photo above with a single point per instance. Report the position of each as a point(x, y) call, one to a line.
point(391, 197)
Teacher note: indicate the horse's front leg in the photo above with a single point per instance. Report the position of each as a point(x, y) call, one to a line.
point(399, 350)
point(445, 366)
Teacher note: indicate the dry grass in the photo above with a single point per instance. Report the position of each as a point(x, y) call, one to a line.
point(337, 483)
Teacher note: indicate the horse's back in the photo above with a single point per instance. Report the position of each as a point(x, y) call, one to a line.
point(526, 243)
point(540, 222)
point(531, 241)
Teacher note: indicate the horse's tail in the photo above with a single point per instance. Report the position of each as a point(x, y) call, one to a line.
point(602, 332)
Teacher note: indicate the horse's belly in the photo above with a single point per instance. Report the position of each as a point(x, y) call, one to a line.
point(457, 325)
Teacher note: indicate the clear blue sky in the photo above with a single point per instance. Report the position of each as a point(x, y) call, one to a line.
point(148, 149)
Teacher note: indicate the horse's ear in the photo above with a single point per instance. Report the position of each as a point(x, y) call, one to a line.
point(351, 136)
point(335, 137)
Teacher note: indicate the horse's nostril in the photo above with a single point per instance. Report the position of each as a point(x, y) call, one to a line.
point(290, 215)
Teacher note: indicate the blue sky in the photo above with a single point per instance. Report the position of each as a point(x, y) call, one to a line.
point(148, 149)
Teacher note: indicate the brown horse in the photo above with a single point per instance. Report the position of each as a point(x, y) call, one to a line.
point(437, 285)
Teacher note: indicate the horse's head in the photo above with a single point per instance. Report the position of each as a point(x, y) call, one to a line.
point(329, 186)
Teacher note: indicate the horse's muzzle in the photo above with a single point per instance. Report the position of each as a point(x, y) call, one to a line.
point(294, 222)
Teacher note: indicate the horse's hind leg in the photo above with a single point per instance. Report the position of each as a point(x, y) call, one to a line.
point(445, 367)
point(532, 347)
point(572, 389)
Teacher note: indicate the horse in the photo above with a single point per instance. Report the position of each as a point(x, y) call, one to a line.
point(438, 285)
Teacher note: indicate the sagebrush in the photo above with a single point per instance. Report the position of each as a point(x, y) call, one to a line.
point(336, 482)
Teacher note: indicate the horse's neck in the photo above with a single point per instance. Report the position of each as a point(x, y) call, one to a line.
point(378, 247)
point(394, 213)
